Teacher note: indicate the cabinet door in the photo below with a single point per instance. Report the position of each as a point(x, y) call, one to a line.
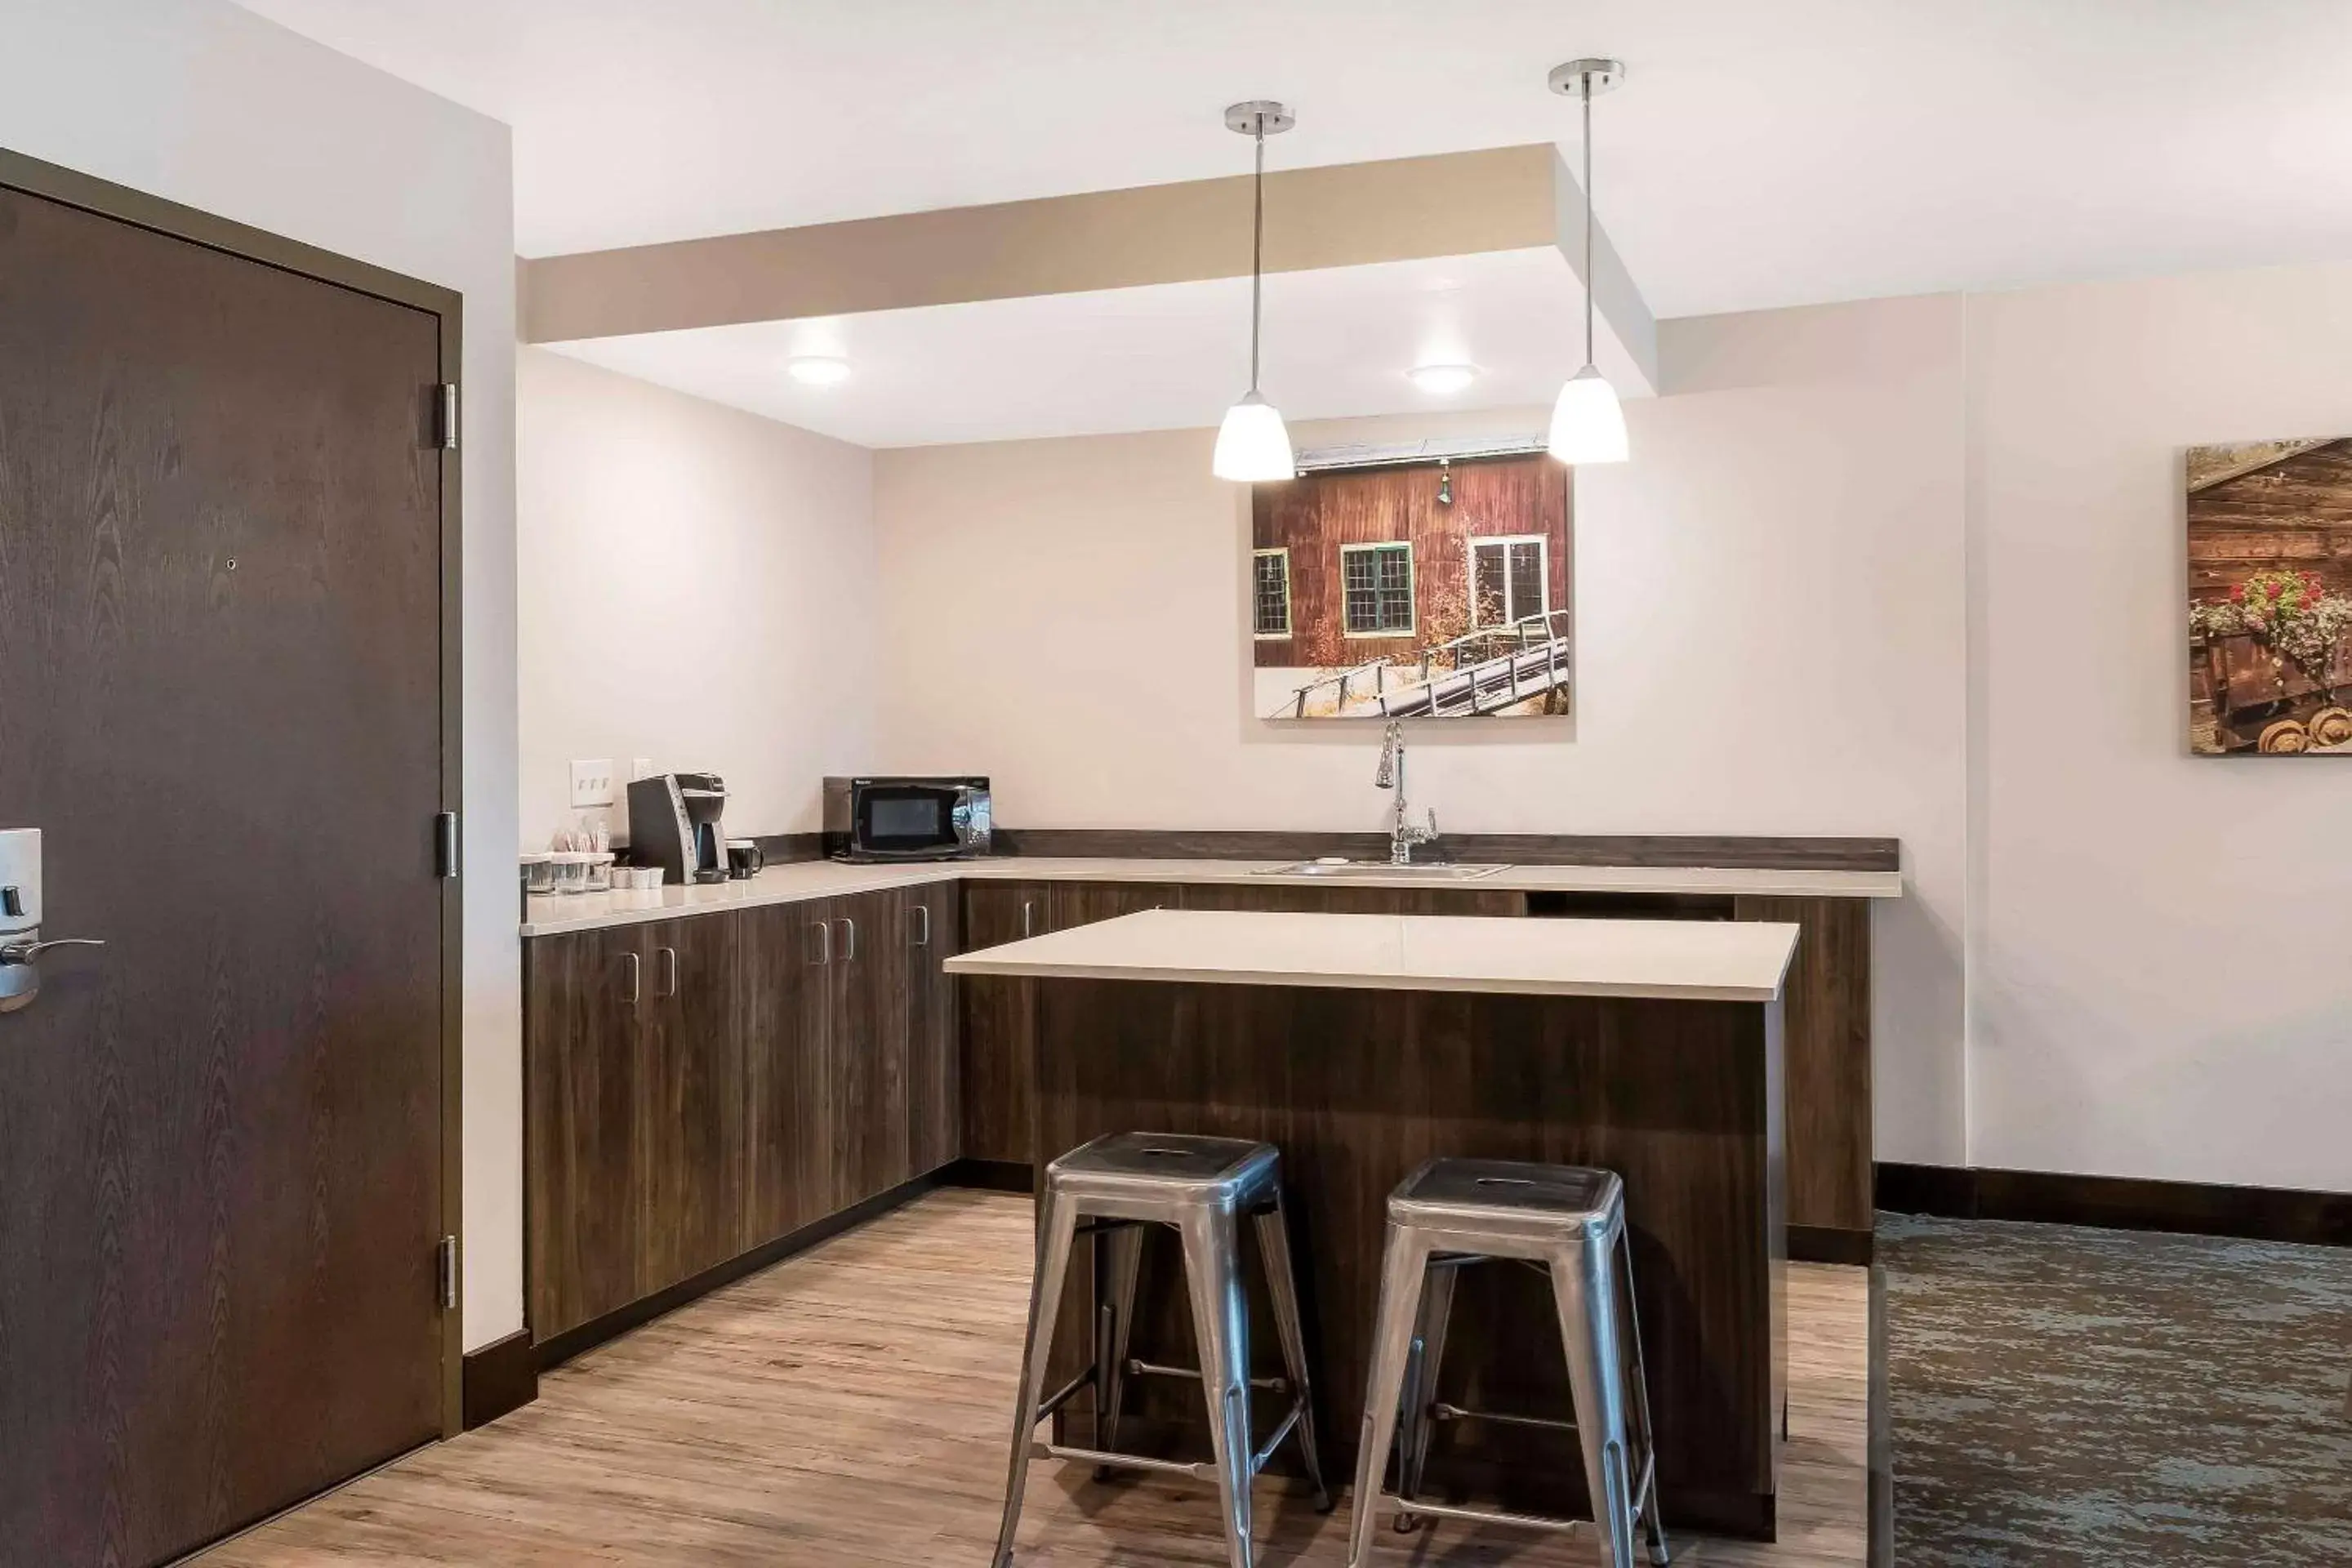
point(868, 1044)
point(582, 996)
point(996, 1088)
point(781, 988)
point(690, 1098)
point(1295, 897)
point(929, 924)
point(1083, 903)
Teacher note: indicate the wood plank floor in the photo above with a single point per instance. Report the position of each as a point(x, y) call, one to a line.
point(851, 1407)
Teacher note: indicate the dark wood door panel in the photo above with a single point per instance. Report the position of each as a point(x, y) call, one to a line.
point(868, 983)
point(1290, 896)
point(995, 1067)
point(930, 923)
point(582, 1124)
point(1828, 1009)
point(220, 1138)
point(784, 990)
point(691, 1087)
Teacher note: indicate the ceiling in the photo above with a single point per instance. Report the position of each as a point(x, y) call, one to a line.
point(1337, 342)
point(1759, 155)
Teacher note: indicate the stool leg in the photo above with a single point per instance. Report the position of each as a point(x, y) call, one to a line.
point(1421, 1385)
point(1651, 1524)
point(1282, 1284)
point(1057, 1226)
point(1122, 1259)
point(1584, 1289)
point(1221, 1320)
point(1404, 1264)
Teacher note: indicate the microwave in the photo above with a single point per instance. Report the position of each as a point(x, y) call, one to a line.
point(906, 818)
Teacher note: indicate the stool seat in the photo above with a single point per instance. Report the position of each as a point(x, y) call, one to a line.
point(1170, 1162)
point(1571, 1194)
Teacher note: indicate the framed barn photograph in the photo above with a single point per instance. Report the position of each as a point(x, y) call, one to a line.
point(2270, 598)
point(1413, 590)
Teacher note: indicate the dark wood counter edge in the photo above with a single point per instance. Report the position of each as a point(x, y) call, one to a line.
point(1675, 850)
point(2117, 1203)
point(557, 1349)
point(500, 1378)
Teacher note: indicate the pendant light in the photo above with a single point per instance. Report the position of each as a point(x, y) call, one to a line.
point(1251, 444)
point(1587, 424)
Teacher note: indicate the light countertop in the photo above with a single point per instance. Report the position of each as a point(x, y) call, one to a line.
point(794, 881)
point(1717, 961)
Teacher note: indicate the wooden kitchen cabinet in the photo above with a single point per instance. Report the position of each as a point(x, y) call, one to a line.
point(1292, 896)
point(869, 970)
point(784, 986)
point(632, 1130)
point(996, 1092)
point(930, 923)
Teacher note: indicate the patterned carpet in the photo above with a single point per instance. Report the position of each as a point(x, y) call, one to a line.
point(2061, 1395)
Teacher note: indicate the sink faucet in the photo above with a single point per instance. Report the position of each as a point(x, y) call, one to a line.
point(1402, 835)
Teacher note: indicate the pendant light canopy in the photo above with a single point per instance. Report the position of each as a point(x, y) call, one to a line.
point(1251, 444)
point(1588, 425)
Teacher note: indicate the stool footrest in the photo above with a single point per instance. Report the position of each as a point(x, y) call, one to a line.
point(1063, 1395)
point(1258, 1459)
point(1482, 1515)
point(1441, 1412)
point(1203, 1470)
point(1138, 1368)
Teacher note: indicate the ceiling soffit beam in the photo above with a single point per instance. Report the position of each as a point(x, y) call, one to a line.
point(1346, 215)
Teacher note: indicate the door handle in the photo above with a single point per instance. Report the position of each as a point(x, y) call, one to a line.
point(848, 940)
point(27, 951)
point(670, 972)
point(824, 954)
point(636, 977)
point(923, 926)
point(1028, 912)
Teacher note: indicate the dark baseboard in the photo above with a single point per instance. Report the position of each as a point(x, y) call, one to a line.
point(557, 1348)
point(2118, 1203)
point(992, 1176)
point(502, 1376)
point(1830, 1244)
point(1512, 848)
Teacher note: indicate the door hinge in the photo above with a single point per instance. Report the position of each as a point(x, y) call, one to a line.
point(449, 415)
point(444, 843)
point(446, 1270)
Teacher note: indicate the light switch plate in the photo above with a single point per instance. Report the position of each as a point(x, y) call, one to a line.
point(640, 768)
point(592, 781)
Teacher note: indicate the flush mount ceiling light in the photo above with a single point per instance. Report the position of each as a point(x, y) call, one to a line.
point(1251, 444)
point(817, 370)
point(1442, 379)
point(1587, 424)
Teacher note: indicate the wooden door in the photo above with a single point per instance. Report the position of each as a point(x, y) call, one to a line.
point(691, 1101)
point(997, 1094)
point(1292, 896)
point(929, 924)
point(221, 701)
point(1084, 903)
point(783, 987)
point(582, 1118)
point(867, 1018)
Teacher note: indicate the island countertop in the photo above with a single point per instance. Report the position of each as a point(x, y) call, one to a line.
point(1719, 961)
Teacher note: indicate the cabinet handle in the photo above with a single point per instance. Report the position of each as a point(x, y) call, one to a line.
point(1028, 910)
point(923, 926)
point(636, 974)
point(848, 941)
point(669, 970)
point(824, 954)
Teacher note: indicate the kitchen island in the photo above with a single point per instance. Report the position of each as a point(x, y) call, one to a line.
point(1360, 1045)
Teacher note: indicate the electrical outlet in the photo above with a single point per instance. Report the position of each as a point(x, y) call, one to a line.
point(592, 781)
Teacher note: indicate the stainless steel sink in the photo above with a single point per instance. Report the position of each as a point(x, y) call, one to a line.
point(1379, 871)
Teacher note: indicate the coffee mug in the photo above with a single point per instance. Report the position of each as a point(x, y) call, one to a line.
point(745, 857)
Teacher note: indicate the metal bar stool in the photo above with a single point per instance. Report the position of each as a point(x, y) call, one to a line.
point(1109, 1189)
point(1562, 1220)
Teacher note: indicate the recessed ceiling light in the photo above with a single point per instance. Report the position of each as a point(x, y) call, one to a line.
point(818, 370)
point(1444, 380)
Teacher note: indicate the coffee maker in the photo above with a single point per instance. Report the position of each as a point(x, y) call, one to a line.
point(674, 824)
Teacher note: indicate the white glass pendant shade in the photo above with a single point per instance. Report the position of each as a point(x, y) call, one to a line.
point(1588, 425)
point(1252, 445)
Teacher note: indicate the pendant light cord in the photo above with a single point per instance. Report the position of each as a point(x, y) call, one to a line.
point(1257, 247)
point(1588, 221)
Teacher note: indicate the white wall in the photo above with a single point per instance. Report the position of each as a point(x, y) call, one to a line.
point(2162, 986)
point(1770, 614)
point(209, 105)
point(697, 589)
